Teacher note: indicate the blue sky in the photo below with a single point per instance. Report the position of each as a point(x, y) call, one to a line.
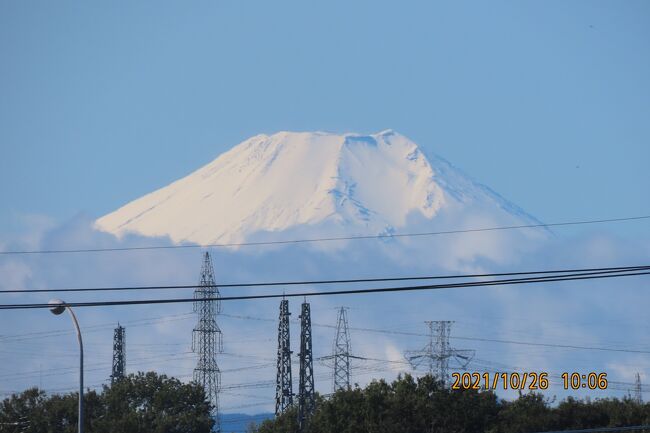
point(548, 103)
point(104, 102)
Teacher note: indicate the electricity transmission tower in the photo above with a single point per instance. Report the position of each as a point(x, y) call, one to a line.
point(342, 353)
point(638, 396)
point(438, 352)
point(119, 354)
point(206, 337)
point(283, 385)
point(306, 399)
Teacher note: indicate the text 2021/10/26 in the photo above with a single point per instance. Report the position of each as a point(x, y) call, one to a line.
point(527, 380)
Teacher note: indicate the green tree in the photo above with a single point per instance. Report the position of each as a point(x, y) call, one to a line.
point(138, 403)
point(24, 412)
point(406, 405)
point(151, 403)
point(529, 413)
point(285, 423)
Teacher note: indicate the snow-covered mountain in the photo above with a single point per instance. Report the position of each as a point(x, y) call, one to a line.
point(317, 183)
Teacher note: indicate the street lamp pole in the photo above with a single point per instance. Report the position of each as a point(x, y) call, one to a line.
point(57, 307)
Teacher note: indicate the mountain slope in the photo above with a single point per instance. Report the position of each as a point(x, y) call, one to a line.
point(327, 183)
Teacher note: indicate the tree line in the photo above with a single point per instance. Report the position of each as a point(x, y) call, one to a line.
point(138, 403)
point(152, 403)
point(422, 405)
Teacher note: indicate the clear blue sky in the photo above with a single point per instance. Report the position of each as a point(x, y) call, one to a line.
point(547, 102)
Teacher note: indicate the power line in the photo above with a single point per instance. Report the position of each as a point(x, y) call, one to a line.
point(326, 282)
point(489, 340)
point(330, 239)
point(269, 383)
point(503, 341)
point(93, 328)
point(264, 384)
point(563, 346)
point(569, 277)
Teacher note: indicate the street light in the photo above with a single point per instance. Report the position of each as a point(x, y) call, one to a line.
point(57, 307)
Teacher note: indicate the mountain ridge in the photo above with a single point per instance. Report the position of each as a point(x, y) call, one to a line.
point(331, 183)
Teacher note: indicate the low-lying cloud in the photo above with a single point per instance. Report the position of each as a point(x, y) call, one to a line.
point(37, 348)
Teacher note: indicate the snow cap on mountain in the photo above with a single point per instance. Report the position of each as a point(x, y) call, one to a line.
point(321, 182)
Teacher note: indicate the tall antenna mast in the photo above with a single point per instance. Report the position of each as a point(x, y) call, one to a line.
point(119, 354)
point(306, 397)
point(342, 353)
point(283, 386)
point(206, 337)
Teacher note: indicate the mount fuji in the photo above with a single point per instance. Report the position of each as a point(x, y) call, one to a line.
point(315, 183)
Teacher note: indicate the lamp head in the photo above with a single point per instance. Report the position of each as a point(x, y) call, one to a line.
point(57, 306)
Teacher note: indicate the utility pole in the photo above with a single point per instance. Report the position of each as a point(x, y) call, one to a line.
point(306, 398)
point(342, 353)
point(283, 385)
point(438, 352)
point(119, 354)
point(207, 339)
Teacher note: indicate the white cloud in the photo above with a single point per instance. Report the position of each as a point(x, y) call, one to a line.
point(609, 313)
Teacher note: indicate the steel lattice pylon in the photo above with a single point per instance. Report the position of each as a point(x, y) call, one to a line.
point(306, 397)
point(441, 348)
point(206, 337)
point(438, 352)
point(119, 354)
point(638, 393)
point(342, 353)
point(283, 388)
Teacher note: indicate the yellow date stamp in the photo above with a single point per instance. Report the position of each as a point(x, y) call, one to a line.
point(591, 380)
point(514, 380)
point(527, 380)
